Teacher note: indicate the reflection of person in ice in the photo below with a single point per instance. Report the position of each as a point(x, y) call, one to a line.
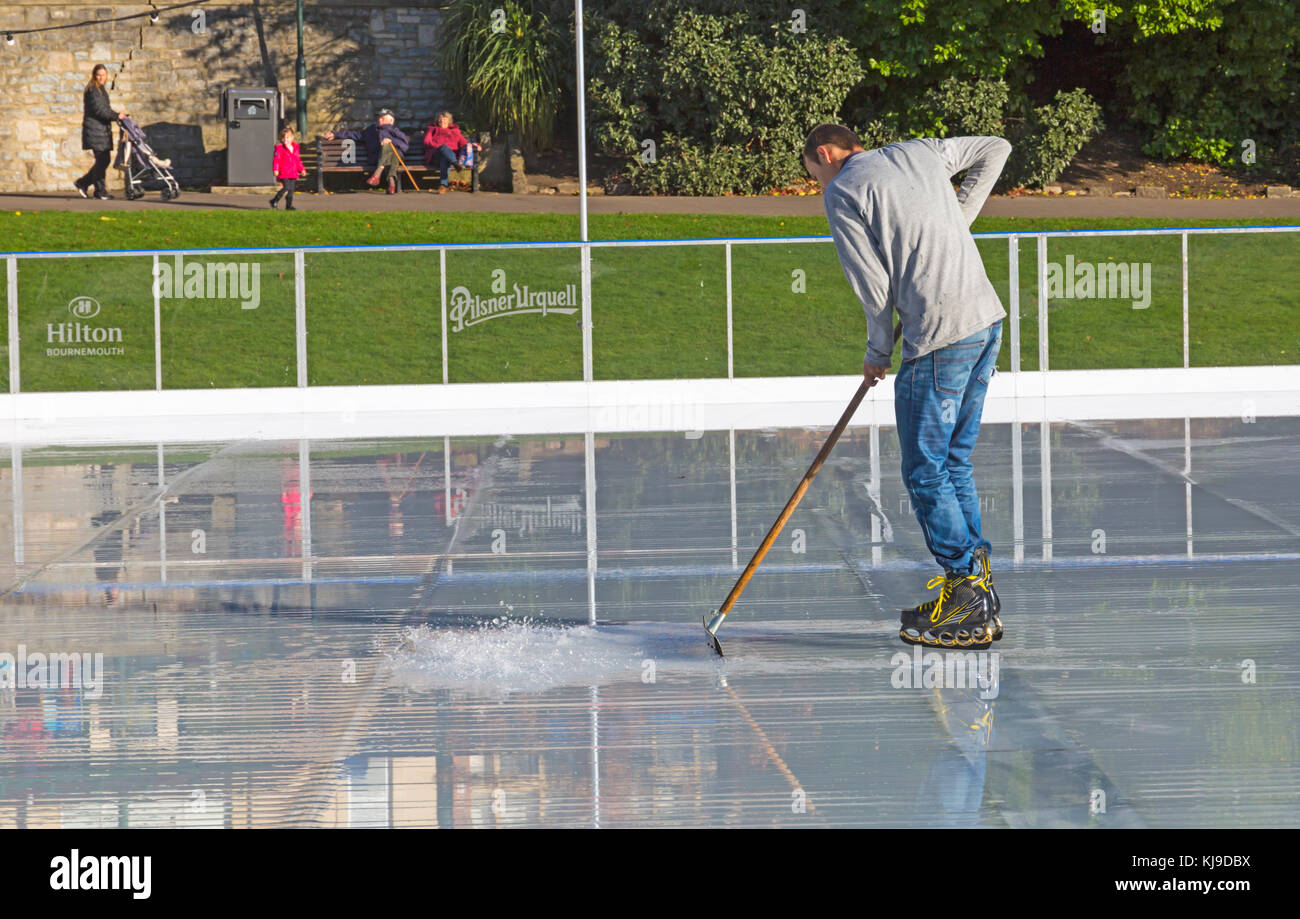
point(953, 790)
point(397, 480)
point(291, 505)
point(25, 735)
point(108, 555)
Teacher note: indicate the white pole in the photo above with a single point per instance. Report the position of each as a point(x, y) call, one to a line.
point(1186, 337)
point(731, 452)
point(1187, 473)
point(446, 476)
point(446, 473)
point(16, 480)
point(1045, 483)
point(873, 491)
point(1045, 428)
point(731, 365)
point(1017, 448)
point(304, 506)
point(1017, 488)
point(582, 124)
point(587, 369)
point(157, 329)
point(300, 313)
point(1013, 300)
point(587, 376)
point(442, 273)
point(162, 516)
point(11, 272)
point(590, 492)
point(1042, 304)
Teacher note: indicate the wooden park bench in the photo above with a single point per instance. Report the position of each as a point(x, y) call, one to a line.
point(348, 156)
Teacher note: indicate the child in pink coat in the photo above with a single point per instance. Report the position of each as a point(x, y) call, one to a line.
point(288, 168)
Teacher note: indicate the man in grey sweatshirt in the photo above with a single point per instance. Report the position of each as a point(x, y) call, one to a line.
point(903, 238)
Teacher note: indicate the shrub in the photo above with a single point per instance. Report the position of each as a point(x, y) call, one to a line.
point(1198, 76)
point(1180, 138)
point(619, 88)
point(909, 48)
point(877, 133)
point(509, 79)
point(743, 97)
point(1046, 142)
point(955, 107)
point(1203, 77)
point(687, 167)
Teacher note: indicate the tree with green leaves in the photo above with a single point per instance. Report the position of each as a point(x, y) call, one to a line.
point(504, 61)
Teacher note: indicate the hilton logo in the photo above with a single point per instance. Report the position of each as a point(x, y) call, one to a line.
point(85, 340)
point(84, 307)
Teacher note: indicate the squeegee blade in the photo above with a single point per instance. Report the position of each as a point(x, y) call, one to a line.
point(710, 627)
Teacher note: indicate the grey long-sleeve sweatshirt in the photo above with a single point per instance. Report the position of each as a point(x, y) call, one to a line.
point(904, 240)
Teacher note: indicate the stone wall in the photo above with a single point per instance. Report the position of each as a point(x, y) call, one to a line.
point(169, 77)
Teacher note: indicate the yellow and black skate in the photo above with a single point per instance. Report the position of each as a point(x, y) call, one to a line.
point(960, 617)
point(985, 572)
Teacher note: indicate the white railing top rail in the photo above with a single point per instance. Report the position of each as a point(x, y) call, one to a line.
point(621, 243)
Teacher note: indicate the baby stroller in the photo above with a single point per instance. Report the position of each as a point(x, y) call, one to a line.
point(140, 164)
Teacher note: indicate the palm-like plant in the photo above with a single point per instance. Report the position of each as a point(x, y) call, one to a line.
point(505, 68)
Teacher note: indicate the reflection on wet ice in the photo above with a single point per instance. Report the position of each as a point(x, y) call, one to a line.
point(400, 633)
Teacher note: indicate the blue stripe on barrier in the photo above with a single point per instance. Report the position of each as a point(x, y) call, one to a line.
point(615, 243)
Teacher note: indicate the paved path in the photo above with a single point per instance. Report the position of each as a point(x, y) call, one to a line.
point(782, 206)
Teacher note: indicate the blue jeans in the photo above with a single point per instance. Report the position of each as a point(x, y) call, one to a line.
point(444, 158)
point(938, 401)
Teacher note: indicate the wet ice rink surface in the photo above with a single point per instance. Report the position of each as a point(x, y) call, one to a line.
point(412, 645)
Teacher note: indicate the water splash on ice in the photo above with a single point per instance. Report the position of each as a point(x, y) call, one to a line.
point(507, 656)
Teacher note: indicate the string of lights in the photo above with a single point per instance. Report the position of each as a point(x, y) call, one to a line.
point(11, 35)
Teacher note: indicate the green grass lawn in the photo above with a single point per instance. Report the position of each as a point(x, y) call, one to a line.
point(657, 312)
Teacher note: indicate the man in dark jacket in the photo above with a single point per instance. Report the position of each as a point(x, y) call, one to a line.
point(97, 134)
point(384, 141)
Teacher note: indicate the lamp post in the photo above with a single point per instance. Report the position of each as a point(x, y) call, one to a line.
point(302, 80)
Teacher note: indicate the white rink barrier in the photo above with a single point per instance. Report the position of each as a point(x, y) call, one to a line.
point(330, 412)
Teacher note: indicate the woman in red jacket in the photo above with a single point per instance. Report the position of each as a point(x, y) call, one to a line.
point(288, 168)
point(445, 146)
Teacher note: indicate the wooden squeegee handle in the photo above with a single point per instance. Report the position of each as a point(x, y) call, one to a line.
point(798, 493)
point(795, 498)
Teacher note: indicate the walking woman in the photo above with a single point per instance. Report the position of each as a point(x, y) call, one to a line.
point(97, 135)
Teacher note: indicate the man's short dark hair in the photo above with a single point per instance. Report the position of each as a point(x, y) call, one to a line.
point(835, 135)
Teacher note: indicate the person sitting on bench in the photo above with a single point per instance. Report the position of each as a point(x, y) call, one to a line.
point(384, 142)
point(445, 146)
